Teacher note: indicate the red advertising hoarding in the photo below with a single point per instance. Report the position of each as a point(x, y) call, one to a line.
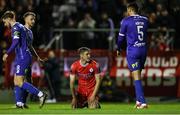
point(160, 76)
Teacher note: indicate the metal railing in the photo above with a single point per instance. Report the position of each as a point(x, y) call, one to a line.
point(58, 37)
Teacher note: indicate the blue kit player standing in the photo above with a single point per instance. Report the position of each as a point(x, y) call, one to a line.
point(23, 59)
point(29, 19)
point(134, 30)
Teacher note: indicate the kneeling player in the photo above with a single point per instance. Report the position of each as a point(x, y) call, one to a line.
point(88, 74)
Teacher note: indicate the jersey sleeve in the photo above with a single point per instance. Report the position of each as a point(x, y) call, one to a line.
point(122, 34)
point(15, 39)
point(97, 68)
point(15, 33)
point(73, 69)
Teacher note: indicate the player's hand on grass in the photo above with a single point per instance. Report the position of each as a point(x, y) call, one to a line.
point(74, 103)
point(92, 102)
point(92, 99)
point(5, 57)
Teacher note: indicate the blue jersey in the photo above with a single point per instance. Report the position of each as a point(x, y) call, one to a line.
point(20, 42)
point(29, 37)
point(134, 29)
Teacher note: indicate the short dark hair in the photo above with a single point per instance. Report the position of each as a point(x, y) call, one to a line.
point(8, 14)
point(83, 49)
point(133, 6)
point(29, 13)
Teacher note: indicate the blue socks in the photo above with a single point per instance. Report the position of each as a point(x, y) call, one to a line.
point(24, 96)
point(21, 93)
point(30, 88)
point(18, 94)
point(139, 91)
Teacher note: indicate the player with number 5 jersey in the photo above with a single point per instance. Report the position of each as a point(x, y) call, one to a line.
point(134, 30)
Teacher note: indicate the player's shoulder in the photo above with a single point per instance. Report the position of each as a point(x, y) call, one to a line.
point(126, 20)
point(135, 17)
point(18, 26)
point(28, 30)
point(143, 17)
point(93, 62)
point(75, 63)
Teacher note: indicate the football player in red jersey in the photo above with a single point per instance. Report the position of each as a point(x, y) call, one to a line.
point(87, 72)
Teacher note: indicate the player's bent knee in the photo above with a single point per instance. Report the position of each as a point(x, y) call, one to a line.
point(136, 75)
point(18, 81)
point(94, 105)
point(18, 84)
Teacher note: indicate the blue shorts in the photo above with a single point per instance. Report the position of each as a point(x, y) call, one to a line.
point(136, 58)
point(21, 66)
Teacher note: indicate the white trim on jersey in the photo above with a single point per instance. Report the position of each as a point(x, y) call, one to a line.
point(121, 34)
point(16, 37)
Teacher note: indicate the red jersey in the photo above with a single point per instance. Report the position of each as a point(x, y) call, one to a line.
point(86, 74)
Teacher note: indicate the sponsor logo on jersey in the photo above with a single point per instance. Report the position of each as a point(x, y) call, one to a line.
point(91, 70)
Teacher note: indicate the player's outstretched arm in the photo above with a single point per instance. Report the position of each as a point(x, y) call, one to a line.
point(72, 88)
point(38, 57)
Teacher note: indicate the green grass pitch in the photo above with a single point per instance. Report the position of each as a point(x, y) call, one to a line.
point(106, 108)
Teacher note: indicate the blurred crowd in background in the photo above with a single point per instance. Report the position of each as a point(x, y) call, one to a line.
point(164, 32)
point(90, 14)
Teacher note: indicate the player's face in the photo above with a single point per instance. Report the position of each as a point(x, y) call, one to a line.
point(86, 56)
point(30, 20)
point(7, 22)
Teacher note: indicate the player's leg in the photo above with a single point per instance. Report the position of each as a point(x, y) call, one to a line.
point(19, 81)
point(18, 96)
point(140, 99)
point(81, 100)
point(135, 66)
point(95, 104)
point(29, 87)
point(24, 92)
point(142, 62)
point(18, 90)
point(24, 98)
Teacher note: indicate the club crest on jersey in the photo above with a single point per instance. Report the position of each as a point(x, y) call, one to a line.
point(91, 70)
